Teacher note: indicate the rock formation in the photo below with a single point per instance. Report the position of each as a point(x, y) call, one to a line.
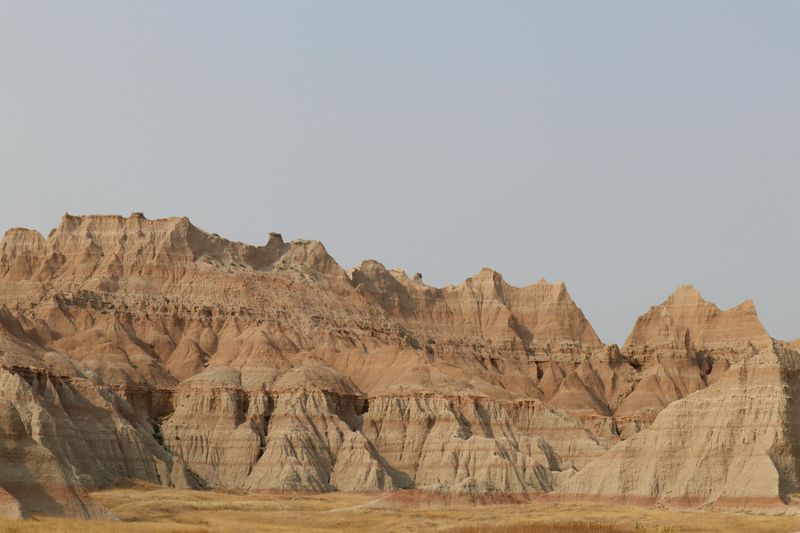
point(136, 349)
point(683, 345)
point(732, 445)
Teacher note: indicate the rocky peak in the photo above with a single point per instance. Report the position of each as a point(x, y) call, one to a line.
point(683, 295)
point(686, 344)
point(487, 274)
point(21, 241)
point(113, 246)
point(708, 326)
point(313, 255)
point(22, 236)
point(485, 308)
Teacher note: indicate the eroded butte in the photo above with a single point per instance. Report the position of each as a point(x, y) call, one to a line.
point(136, 349)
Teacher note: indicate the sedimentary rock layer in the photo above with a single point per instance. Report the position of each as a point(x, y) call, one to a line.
point(732, 445)
point(136, 349)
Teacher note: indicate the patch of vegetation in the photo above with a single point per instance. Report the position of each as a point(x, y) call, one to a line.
point(157, 435)
point(156, 424)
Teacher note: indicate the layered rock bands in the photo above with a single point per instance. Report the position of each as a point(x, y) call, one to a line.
point(136, 349)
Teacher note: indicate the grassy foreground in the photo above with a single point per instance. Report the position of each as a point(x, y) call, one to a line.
point(162, 510)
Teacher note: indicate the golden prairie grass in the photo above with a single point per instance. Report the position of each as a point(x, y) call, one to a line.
point(146, 508)
point(567, 527)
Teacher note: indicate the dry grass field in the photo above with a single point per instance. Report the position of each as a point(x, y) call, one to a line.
point(168, 510)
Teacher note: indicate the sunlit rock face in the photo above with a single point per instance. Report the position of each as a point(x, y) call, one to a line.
point(732, 445)
point(137, 349)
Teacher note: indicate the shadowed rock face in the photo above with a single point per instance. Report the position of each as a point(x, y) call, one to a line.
point(62, 432)
point(151, 350)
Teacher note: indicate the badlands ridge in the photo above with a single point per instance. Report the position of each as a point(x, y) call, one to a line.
point(136, 349)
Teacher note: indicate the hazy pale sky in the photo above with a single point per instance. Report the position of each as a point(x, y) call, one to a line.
point(624, 147)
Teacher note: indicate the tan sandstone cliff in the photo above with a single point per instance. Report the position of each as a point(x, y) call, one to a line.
point(137, 349)
point(732, 445)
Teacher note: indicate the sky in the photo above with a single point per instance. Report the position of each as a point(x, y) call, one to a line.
point(624, 147)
